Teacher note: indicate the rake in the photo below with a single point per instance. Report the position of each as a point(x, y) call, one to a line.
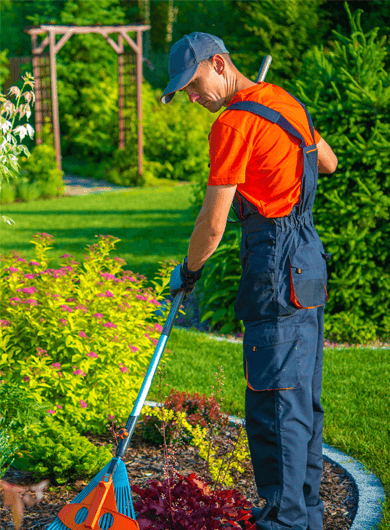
point(105, 503)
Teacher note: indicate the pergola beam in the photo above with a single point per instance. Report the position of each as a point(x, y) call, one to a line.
point(105, 31)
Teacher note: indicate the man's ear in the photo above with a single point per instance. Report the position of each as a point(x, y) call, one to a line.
point(219, 64)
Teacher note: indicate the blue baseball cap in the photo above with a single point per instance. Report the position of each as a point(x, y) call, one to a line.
point(185, 57)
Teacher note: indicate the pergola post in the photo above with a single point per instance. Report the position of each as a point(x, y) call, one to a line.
point(139, 102)
point(67, 32)
point(56, 117)
point(37, 77)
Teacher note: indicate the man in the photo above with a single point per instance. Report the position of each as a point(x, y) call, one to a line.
point(265, 157)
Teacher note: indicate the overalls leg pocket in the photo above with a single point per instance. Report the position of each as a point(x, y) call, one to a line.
point(308, 277)
point(271, 354)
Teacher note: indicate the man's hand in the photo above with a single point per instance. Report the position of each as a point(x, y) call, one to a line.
point(183, 279)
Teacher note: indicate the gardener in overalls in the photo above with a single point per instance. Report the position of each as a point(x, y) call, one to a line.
point(265, 157)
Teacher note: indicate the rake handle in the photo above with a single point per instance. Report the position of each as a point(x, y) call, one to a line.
point(147, 382)
point(264, 68)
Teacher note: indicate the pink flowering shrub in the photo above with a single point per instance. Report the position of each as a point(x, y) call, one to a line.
point(80, 336)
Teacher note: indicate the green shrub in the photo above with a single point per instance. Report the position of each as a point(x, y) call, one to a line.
point(7, 452)
point(20, 410)
point(41, 177)
point(57, 451)
point(347, 91)
point(221, 283)
point(19, 413)
point(349, 327)
point(199, 410)
point(81, 336)
point(28, 191)
point(7, 193)
point(176, 136)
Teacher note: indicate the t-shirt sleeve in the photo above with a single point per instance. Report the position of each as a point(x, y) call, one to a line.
point(229, 155)
point(317, 136)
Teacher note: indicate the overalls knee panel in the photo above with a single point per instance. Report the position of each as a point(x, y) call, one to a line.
point(281, 300)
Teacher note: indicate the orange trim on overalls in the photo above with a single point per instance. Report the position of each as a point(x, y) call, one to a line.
point(294, 298)
point(316, 149)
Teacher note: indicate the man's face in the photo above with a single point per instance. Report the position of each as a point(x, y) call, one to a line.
point(207, 88)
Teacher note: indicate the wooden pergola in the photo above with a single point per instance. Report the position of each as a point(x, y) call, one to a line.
point(67, 32)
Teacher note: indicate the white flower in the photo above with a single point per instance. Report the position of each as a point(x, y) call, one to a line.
point(21, 130)
point(5, 125)
point(30, 130)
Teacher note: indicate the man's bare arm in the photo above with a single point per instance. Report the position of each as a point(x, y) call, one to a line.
point(327, 160)
point(210, 225)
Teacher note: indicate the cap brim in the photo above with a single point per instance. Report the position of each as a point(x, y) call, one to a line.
point(178, 82)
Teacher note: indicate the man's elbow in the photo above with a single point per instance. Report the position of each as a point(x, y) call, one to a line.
point(329, 166)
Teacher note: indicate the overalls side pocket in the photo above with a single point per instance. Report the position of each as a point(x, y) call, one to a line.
point(308, 277)
point(271, 356)
point(256, 294)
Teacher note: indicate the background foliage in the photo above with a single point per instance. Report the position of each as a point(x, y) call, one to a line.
point(309, 59)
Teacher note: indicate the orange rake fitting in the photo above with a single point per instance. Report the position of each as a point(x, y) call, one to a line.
point(99, 502)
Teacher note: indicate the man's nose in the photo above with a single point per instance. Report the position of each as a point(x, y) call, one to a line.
point(193, 96)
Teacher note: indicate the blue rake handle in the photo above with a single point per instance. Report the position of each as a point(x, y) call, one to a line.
point(142, 394)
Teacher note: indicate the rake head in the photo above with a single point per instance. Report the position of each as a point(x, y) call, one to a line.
point(105, 504)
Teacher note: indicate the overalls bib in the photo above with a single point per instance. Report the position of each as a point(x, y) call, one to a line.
point(281, 299)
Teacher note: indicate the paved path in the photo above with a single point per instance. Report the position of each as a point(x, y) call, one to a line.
point(85, 186)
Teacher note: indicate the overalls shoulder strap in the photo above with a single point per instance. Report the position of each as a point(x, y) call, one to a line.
point(274, 116)
point(310, 173)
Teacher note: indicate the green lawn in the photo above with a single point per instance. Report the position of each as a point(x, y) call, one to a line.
point(155, 225)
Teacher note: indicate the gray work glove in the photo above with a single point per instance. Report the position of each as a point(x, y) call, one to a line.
point(183, 279)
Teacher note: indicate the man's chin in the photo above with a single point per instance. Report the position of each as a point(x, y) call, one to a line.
point(212, 106)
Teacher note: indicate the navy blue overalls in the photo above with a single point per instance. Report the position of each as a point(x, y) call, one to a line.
point(281, 299)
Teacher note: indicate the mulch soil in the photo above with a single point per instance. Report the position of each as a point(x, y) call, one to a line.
point(145, 462)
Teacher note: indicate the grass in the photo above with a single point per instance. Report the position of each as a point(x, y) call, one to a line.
point(155, 225)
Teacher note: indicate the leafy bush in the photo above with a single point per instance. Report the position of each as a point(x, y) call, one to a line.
point(125, 170)
point(19, 413)
point(27, 191)
point(20, 410)
point(347, 91)
point(189, 503)
point(57, 451)
point(7, 193)
point(222, 282)
point(220, 458)
point(42, 178)
point(81, 336)
point(180, 150)
point(199, 410)
point(7, 452)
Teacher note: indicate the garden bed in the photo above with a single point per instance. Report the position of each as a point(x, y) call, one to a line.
point(145, 462)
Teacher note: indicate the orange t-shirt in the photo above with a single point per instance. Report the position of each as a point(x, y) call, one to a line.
point(259, 156)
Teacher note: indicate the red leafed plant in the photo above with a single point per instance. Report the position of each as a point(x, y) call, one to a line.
point(188, 503)
point(200, 410)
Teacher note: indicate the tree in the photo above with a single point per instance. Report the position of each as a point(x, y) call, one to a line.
point(285, 29)
point(347, 92)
